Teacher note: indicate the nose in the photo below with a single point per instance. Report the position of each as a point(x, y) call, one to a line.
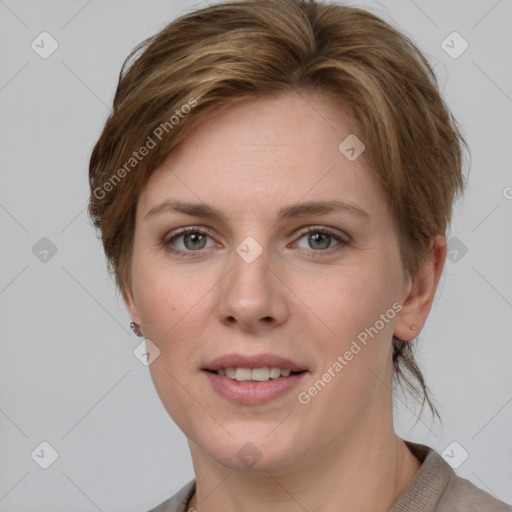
point(253, 295)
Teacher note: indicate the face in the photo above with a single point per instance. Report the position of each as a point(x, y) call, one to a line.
point(311, 291)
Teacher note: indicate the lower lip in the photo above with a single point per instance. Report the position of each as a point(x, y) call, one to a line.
point(252, 393)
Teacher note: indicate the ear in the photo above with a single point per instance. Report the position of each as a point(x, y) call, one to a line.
point(420, 292)
point(130, 305)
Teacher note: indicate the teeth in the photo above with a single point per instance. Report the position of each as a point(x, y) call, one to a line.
point(255, 374)
point(243, 374)
point(260, 374)
point(275, 372)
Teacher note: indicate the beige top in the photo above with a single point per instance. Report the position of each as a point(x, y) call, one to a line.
point(435, 488)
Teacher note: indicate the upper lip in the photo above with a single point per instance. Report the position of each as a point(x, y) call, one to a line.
point(256, 361)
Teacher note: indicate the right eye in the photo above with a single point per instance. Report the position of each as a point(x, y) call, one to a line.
point(192, 240)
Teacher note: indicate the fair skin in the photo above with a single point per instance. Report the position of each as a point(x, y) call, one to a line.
point(302, 299)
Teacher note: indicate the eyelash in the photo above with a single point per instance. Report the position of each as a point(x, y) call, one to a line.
point(342, 242)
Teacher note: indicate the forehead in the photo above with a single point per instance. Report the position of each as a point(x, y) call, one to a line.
point(267, 151)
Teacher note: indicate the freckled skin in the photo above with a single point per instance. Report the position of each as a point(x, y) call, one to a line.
point(249, 160)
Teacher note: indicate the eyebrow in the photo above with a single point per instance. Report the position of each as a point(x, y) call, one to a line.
point(203, 210)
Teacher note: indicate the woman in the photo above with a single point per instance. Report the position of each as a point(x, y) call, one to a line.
point(273, 190)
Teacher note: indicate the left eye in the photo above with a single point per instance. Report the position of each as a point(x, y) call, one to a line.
point(320, 239)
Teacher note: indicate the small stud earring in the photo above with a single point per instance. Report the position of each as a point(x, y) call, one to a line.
point(136, 329)
point(413, 328)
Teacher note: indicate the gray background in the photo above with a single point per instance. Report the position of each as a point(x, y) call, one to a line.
point(68, 374)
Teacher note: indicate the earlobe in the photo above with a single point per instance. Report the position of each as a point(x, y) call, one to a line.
point(421, 292)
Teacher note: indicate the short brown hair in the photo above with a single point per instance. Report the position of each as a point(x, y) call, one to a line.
point(245, 49)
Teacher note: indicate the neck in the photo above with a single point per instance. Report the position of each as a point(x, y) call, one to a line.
point(347, 476)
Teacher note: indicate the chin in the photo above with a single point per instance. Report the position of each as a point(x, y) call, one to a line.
point(254, 453)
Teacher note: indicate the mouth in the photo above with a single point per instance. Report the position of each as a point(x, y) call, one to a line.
point(251, 380)
point(258, 368)
point(262, 374)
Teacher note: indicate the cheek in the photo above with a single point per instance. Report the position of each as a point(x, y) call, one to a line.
point(358, 306)
point(169, 304)
point(163, 292)
point(351, 298)
point(174, 302)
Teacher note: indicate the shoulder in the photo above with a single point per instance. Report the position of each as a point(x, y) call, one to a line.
point(437, 488)
point(178, 502)
point(461, 494)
